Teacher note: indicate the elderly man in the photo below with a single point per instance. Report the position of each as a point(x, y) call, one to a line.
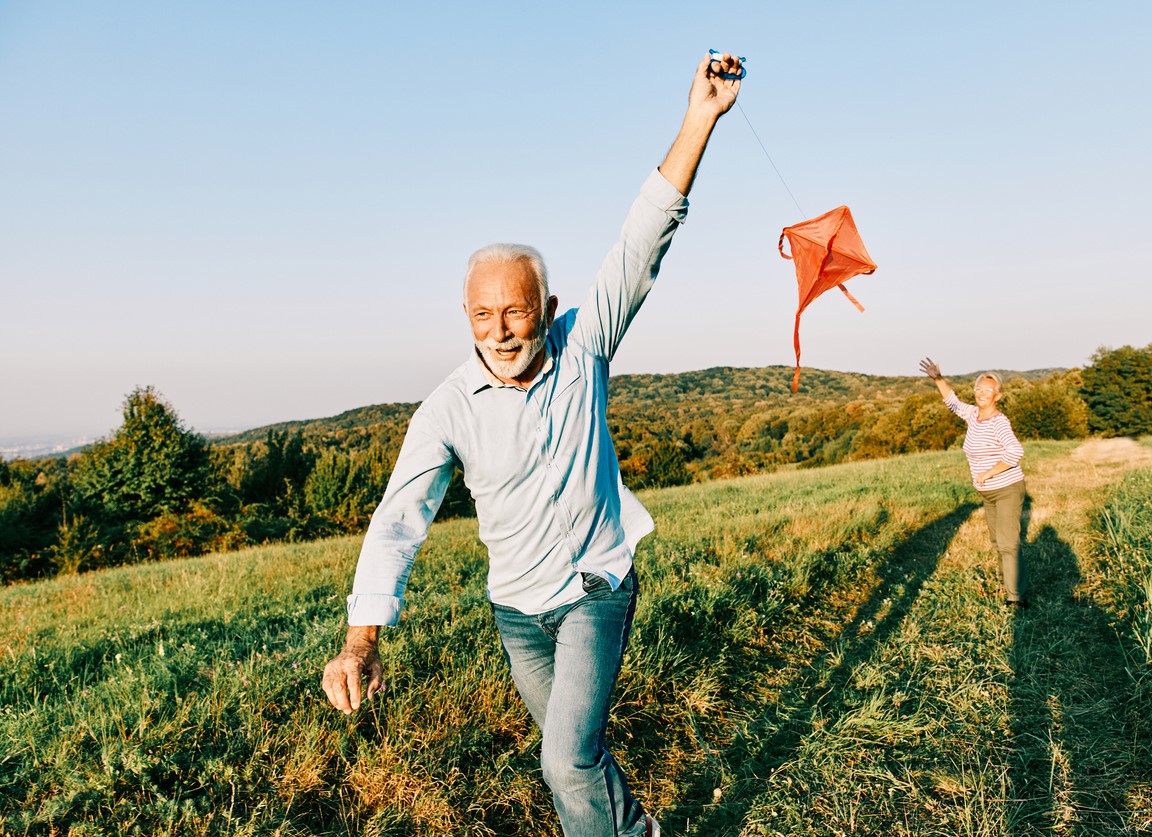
point(526, 416)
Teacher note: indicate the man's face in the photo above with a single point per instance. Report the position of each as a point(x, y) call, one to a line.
point(509, 320)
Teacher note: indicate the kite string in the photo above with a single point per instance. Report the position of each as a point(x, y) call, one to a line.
point(769, 156)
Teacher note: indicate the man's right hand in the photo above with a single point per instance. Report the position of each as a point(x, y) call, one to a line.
point(359, 658)
point(710, 97)
point(711, 91)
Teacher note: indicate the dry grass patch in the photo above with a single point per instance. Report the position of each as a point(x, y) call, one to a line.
point(384, 781)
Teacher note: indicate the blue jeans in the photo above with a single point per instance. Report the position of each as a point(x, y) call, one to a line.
point(565, 663)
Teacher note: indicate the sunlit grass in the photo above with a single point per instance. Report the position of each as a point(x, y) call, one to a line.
point(815, 652)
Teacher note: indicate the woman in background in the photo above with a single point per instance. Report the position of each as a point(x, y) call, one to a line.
point(994, 455)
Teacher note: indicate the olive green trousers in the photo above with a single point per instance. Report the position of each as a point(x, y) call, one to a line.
point(1002, 508)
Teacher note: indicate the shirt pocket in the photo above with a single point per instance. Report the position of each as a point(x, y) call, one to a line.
point(567, 400)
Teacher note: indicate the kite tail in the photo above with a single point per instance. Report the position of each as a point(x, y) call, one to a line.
point(796, 343)
point(852, 299)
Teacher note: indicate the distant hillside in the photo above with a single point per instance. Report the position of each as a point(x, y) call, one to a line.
point(360, 417)
point(302, 480)
point(708, 424)
point(721, 387)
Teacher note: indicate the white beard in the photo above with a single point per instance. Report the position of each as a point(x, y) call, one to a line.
point(512, 369)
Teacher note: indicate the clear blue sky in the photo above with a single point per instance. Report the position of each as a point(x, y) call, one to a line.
point(263, 209)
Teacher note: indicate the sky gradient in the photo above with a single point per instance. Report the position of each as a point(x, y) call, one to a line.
point(264, 209)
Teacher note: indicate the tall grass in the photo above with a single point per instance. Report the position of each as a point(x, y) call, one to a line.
point(1125, 530)
point(1124, 555)
point(814, 652)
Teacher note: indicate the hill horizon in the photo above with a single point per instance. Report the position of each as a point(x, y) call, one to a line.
point(626, 384)
point(31, 446)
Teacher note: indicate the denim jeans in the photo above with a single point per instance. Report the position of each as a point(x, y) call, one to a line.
point(565, 663)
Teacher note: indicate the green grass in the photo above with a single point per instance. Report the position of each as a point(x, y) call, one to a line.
point(815, 652)
point(1125, 530)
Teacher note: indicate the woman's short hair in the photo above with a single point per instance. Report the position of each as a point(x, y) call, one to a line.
point(994, 378)
point(503, 253)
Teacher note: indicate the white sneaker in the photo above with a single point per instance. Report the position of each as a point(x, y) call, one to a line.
point(653, 826)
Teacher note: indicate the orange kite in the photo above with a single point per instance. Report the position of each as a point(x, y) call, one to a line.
point(828, 252)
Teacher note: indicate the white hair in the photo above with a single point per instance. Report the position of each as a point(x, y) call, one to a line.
point(993, 377)
point(505, 253)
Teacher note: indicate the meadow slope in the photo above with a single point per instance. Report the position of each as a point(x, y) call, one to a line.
point(815, 652)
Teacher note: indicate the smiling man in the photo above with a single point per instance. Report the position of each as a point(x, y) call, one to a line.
point(508, 305)
point(526, 416)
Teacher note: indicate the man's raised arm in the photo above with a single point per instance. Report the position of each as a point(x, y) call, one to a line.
point(711, 97)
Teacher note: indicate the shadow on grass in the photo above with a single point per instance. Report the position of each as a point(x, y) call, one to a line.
point(1071, 759)
point(820, 693)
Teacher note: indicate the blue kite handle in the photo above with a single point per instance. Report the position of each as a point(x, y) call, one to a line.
point(730, 76)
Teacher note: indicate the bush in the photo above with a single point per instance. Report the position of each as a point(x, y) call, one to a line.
point(183, 535)
point(78, 547)
point(658, 464)
point(1051, 409)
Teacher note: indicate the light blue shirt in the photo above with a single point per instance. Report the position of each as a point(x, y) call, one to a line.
point(539, 462)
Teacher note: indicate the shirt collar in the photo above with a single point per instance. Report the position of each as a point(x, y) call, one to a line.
point(480, 377)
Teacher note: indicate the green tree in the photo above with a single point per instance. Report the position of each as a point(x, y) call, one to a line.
point(921, 422)
point(662, 465)
point(77, 546)
point(343, 489)
point(1051, 409)
point(327, 489)
point(152, 465)
point(32, 498)
point(1118, 391)
point(760, 433)
point(277, 469)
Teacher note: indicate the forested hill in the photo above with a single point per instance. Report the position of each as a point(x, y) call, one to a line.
point(715, 388)
point(721, 422)
point(360, 417)
point(156, 489)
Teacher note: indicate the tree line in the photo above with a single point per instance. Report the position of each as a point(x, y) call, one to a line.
point(155, 489)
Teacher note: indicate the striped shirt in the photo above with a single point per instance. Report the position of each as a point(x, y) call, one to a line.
point(987, 442)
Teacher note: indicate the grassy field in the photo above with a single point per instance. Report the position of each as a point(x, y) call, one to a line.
point(815, 652)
